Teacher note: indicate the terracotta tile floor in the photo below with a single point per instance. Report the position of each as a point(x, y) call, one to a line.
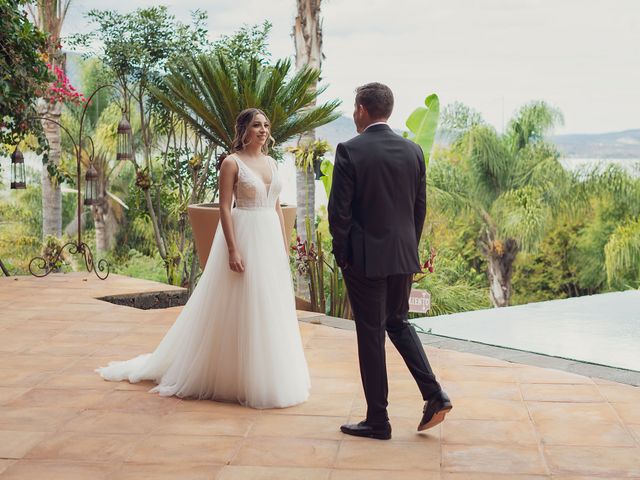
point(59, 420)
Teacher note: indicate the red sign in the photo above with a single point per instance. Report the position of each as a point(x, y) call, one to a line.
point(419, 301)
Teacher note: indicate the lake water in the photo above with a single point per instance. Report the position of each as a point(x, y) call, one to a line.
point(602, 329)
point(631, 165)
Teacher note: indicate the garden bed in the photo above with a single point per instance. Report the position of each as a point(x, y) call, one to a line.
point(150, 300)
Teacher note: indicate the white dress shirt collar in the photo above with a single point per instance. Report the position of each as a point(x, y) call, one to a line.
point(377, 123)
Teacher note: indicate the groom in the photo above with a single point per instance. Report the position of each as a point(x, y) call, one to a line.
point(376, 209)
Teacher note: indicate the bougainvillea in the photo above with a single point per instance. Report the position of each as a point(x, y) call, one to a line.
point(61, 90)
point(24, 76)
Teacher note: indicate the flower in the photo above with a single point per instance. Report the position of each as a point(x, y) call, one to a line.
point(61, 90)
point(428, 265)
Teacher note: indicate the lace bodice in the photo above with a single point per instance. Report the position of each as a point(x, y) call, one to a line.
point(251, 192)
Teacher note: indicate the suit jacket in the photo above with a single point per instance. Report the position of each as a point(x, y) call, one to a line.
point(377, 204)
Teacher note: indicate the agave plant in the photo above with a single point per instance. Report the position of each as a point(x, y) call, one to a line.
point(208, 93)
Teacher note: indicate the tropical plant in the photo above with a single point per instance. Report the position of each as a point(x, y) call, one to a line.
point(100, 123)
point(246, 43)
point(21, 228)
point(457, 283)
point(135, 49)
point(552, 270)
point(307, 39)
point(24, 76)
point(205, 91)
point(622, 253)
point(325, 278)
point(456, 118)
point(55, 258)
point(512, 183)
point(423, 124)
point(309, 156)
point(49, 15)
point(609, 242)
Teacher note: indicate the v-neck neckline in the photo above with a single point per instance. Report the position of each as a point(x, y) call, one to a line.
point(258, 177)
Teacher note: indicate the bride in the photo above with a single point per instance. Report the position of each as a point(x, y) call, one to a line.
point(237, 338)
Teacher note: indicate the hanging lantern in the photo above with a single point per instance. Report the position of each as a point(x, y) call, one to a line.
point(91, 186)
point(125, 147)
point(17, 170)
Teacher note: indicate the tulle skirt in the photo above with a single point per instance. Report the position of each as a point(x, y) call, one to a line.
point(237, 339)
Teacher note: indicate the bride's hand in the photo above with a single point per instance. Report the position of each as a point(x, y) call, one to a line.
point(235, 262)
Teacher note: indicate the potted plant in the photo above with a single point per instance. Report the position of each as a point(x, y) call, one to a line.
point(309, 156)
point(208, 93)
point(204, 219)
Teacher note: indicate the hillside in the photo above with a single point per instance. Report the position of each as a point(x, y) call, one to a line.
point(624, 144)
point(614, 145)
point(619, 145)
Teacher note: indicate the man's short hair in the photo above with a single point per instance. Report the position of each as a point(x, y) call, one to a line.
point(377, 98)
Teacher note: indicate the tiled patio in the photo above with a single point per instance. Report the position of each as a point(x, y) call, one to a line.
point(60, 420)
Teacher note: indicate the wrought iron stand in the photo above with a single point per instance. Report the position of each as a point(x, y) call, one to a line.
point(41, 267)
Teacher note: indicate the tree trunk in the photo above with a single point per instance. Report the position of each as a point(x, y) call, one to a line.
point(307, 37)
point(103, 222)
point(49, 15)
point(51, 193)
point(500, 258)
point(307, 34)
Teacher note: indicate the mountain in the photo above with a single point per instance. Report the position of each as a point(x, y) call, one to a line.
point(624, 144)
point(615, 145)
point(339, 130)
point(618, 145)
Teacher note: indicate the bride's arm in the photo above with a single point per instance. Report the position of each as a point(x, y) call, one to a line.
point(284, 231)
point(228, 175)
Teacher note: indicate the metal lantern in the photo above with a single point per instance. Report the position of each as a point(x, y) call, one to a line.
point(125, 147)
point(17, 170)
point(91, 186)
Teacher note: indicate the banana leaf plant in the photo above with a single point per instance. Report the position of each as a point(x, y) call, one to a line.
point(423, 123)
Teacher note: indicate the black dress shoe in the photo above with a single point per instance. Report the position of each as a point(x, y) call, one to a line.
point(435, 410)
point(363, 429)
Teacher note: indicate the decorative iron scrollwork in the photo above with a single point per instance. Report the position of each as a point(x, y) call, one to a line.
point(41, 267)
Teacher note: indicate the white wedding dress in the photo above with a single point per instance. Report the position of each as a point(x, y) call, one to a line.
point(237, 339)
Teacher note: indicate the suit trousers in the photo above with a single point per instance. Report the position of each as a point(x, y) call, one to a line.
point(381, 305)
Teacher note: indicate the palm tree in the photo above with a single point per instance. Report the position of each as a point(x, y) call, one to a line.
point(49, 16)
point(622, 252)
point(208, 93)
point(614, 234)
point(307, 37)
point(512, 184)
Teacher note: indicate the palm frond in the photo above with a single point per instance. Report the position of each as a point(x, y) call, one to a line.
point(531, 123)
point(208, 93)
point(448, 187)
point(447, 298)
point(612, 181)
point(538, 164)
point(489, 161)
point(622, 252)
point(521, 214)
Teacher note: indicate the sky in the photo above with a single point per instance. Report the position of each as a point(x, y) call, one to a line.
point(582, 56)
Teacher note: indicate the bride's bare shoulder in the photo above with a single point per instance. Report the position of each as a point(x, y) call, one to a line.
point(229, 164)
